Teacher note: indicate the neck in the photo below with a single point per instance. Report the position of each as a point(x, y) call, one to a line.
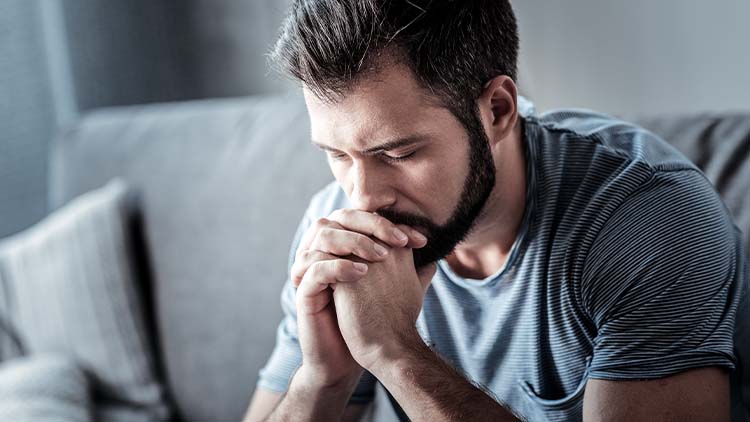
point(488, 245)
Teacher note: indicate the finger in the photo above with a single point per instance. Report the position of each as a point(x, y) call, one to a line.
point(322, 274)
point(373, 225)
point(416, 239)
point(304, 260)
point(343, 242)
point(311, 232)
point(312, 304)
point(313, 294)
point(426, 274)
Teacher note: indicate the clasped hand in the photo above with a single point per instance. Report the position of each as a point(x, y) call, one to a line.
point(358, 292)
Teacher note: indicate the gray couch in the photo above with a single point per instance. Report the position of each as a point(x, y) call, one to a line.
point(223, 184)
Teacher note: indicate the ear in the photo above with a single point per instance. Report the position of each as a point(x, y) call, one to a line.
point(498, 106)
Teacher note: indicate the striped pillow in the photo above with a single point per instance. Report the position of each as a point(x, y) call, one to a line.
point(44, 388)
point(68, 287)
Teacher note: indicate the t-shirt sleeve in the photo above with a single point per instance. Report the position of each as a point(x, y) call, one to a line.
point(663, 280)
point(287, 356)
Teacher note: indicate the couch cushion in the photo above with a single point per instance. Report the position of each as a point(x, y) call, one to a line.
point(720, 145)
point(10, 344)
point(69, 289)
point(223, 185)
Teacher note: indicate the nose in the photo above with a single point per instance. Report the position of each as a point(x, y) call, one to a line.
point(369, 190)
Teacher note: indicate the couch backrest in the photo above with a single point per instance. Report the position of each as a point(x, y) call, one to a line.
point(223, 185)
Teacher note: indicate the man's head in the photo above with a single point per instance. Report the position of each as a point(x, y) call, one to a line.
point(377, 71)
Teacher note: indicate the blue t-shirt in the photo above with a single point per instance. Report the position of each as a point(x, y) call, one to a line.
point(627, 266)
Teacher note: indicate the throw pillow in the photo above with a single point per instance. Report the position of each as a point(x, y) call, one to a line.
point(69, 289)
point(44, 388)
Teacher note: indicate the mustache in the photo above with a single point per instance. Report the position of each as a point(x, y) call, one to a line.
point(409, 219)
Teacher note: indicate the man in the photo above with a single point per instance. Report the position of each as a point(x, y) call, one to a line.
point(483, 262)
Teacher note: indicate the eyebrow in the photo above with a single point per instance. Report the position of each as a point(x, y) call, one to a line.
point(385, 146)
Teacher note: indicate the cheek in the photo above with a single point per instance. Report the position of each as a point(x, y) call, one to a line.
point(434, 178)
point(339, 171)
point(435, 186)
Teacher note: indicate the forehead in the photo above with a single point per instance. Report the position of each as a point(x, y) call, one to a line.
point(386, 104)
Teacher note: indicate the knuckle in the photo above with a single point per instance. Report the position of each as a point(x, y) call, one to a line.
point(383, 223)
point(317, 273)
point(325, 239)
point(347, 213)
point(341, 269)
point(320, 235)
point(294, 271)
point(337, 214)
point(314, 240)
point(338, 266)
point(304, 283)
point(324, 234)
point(362, 242)
point(314, 269)
point(298, 270)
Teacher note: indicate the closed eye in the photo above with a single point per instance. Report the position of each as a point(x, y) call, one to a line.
point(397, 158)
point(336, 156)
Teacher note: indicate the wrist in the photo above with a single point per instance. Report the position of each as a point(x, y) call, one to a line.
point(316, 379)
point(309, 399)
point(399, 354)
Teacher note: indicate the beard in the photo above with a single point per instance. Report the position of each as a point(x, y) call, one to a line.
point(442, 239)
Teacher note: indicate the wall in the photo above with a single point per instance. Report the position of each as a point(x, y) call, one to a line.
point(58, 60)
point(619, 56)
point(229, 40)
point(27, 115)
point(636, 56)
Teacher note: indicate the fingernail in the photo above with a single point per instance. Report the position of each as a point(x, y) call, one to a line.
point(419, 236)
point(380, 250)
point(360, 267)
point(401, 236)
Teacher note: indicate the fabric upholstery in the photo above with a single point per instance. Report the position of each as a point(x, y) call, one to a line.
point(44, 388)
point(10, 344)
point(222, 186)
point(70, 289)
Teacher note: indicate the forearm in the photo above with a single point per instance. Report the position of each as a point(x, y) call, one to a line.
point(430, 389)
point(308, 400)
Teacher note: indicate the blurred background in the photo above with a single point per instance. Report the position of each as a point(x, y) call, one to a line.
point(59, 59)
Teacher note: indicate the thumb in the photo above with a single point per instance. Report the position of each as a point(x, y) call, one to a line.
point(425, 275)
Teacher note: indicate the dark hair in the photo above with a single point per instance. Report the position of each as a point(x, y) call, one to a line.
point(453, 46)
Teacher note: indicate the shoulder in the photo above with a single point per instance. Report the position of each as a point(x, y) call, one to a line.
point(588, 168)
point(566, 131)
point(670, 235)
point(670, 207)
point(663, 280)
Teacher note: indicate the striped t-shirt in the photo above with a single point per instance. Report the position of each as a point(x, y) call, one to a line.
point(627, 266)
